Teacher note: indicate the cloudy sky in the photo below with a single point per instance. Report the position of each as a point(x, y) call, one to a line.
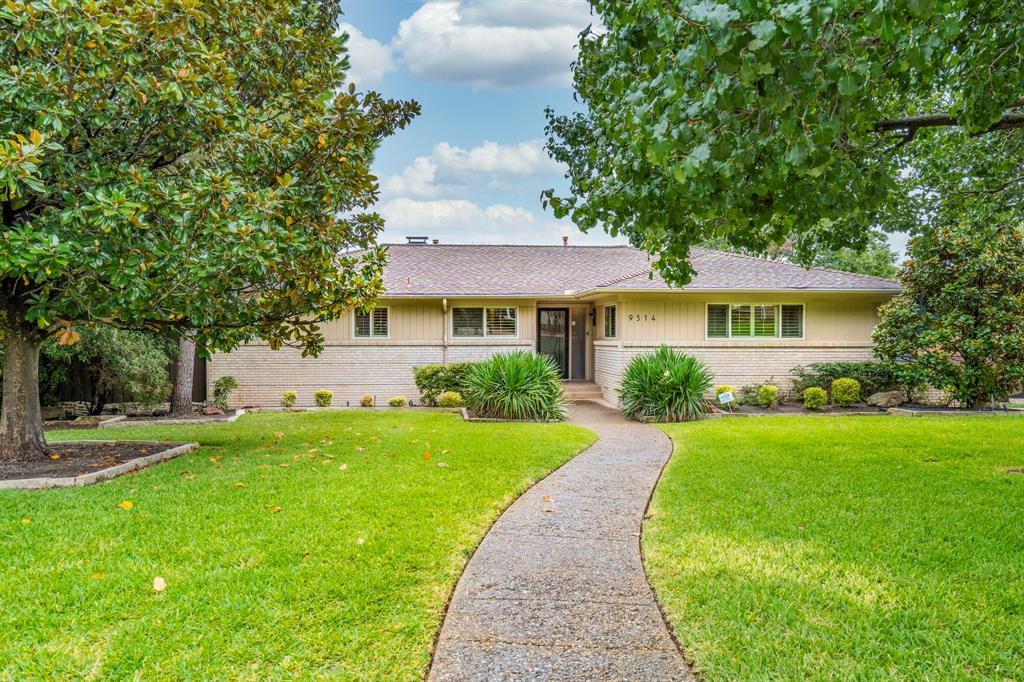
point(471, 168)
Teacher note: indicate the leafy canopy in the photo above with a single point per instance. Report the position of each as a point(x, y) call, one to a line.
point(757, 122)
point(186, 165)
point(958, 325)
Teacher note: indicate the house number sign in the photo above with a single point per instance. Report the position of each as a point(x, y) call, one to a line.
point(641, 318)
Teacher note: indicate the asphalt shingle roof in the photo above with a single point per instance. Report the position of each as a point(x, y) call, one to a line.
point(483, 270)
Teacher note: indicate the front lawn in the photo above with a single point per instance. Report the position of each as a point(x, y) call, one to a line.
point(292, 546)
point(843, 547)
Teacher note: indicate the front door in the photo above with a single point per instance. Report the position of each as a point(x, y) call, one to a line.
point(553, 336)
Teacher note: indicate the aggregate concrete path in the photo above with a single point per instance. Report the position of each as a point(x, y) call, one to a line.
point(556, 590)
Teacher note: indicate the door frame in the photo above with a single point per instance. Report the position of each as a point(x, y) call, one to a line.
point(568, 327)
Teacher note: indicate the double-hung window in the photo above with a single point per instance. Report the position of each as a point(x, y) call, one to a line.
point(755, 321)
point(485, 321)
point(610, 330)
point(371, 325)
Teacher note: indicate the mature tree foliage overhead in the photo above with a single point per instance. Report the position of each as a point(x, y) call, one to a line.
point(184, 166)
point(876, 258)
point(958, 325)
point(759, 121)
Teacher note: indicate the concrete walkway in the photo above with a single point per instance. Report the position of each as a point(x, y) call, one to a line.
point(556, 590)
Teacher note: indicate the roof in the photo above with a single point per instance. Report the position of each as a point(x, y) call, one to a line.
point(485, 270)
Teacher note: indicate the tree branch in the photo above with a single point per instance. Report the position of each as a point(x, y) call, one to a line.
point(1011, 119)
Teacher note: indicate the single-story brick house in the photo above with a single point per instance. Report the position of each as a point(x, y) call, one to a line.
point(591, 308)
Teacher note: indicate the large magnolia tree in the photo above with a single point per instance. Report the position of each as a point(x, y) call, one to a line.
point(186, 166)
point(761, 122)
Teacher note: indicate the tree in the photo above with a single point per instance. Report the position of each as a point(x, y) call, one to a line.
point(180, 166)
point(958, 325)
point(184, 368)
point(876, 259)
point(759, 122)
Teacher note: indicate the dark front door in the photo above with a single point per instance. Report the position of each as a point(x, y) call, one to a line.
point(553, 336)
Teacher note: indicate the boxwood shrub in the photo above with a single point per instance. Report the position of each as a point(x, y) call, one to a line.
point(845, 391)
point(815, 398)
point(516, 385)
point(449, 399)
point(666, 385)
point(323, 397)
point(768, 395)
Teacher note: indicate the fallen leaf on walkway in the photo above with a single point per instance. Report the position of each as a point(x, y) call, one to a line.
point(548, 510)
point(547, 498)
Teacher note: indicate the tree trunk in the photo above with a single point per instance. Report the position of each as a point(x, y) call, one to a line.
point(181, 396)
point(21, 419)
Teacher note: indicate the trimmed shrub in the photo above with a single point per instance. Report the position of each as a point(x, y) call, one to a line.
point(873, 376)
point(433, 380)
point(768, 395)
point(323, 397)
point(289, 398)
point(517, 385)
point(450, 399)
point(815, 398)
point(665, 385)
point(366, 401)
point(726, 388)
point(222, 389)
point(398, 401)
point(845, 391)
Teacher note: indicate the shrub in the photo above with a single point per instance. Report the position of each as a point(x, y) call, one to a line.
point(747, 395)
point(289, 398)
point(450, 399)
point(726, 388)
point(873, 376)
point(815, 398)
point(222, 389)
point(768, 395)
point(845, 391)
point(323, 397)
point(665, 385)
point(517, 385)
point(433, 380)
point(366, 401)
point(398, 401)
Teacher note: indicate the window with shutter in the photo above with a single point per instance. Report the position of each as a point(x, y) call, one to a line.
point(467, 322)
point(501, 322)
point(610, 330)
point(373, 325)
point(792, 323)
point(718, 321)
point(764, 321)
point(739, 324)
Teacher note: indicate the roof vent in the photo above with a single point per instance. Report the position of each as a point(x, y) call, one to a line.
point(565, 241)
point(416, 240)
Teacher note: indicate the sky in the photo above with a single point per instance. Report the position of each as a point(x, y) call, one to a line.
point(472, 166)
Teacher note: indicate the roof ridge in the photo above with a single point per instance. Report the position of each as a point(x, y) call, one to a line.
point(523, 246)
point(797, 265)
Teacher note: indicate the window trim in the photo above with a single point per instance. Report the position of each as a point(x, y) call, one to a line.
point(372, 336)
point(487, 333)
point(615, 311)
point(778, 322)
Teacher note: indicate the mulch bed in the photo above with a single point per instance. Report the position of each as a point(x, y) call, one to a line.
point(68, 460)
point(797, 408)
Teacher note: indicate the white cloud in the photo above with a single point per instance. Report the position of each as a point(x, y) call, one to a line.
point(493, 43)
point(369, 59)
point(450, 169)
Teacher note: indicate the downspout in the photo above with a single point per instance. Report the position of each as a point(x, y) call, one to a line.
point(444, 331)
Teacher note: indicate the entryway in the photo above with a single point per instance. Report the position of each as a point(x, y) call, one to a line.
point(563, 335)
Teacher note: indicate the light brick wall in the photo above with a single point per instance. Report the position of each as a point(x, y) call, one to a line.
point(351, 371)
point(736, 364)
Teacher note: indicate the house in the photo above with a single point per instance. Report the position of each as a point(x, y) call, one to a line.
point(591, 308)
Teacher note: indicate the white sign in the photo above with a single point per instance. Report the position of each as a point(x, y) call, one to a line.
point(726, 397)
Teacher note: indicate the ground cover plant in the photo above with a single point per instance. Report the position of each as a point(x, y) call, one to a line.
point(665, 385)
point(843, 548)
point(291, 545)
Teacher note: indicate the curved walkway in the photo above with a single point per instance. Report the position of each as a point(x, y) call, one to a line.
point(557, 590)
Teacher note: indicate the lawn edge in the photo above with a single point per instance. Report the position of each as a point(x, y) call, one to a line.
point(501, 512)
point(683, 651)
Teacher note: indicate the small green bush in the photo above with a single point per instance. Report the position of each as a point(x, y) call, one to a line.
point(845, 391)
point(289, 398)
point(726, 388)
point(222, 389)
point(873, 376)
point(768, 395)
point(398, 401)
point(665, 385)
point(323, 397)
point(450, 399)
point(747, 395)
point(517, 385)
point(433, 380)
point(366, 401)
point(815, 398)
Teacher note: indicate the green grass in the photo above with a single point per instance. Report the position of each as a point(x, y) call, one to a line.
point(843, 547)
point(257, 535)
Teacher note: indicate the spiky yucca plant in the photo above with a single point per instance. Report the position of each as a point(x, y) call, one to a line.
point(517, 385)
point(666, 385)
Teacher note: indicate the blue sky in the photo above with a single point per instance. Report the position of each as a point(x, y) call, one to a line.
point(471, 168)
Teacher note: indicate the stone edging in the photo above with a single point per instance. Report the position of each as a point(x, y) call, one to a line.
point(103, 474)
point(902, 411)
point(123, 421)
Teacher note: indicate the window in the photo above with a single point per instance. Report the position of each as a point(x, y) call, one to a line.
point(372, 325)
point(739, 321)
point(610, 330)
point(479, 322)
